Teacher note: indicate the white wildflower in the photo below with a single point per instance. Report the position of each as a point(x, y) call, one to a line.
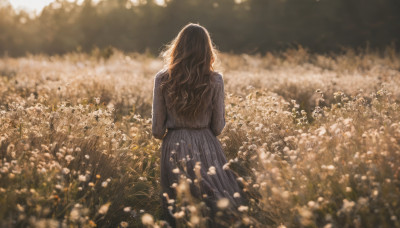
point(176, 170)
point(124, 224)
point(74, 215)
point(179, 214)
point(243, 208)
point(147, 220)
point(104, 208)
point(211, 170)
point(65, 171)
point(225, 166)
point(223, 203)
point(347, 205)
point(82, 178)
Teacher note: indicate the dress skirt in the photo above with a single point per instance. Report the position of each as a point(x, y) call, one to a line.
point(183, 149)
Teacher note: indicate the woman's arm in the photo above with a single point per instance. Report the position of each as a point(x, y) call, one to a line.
point(159, 110)
point(218, 104)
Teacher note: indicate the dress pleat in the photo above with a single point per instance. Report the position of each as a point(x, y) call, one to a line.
point(189, 146)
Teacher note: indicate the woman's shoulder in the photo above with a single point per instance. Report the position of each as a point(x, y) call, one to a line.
point(217, 77)
point(161, 75)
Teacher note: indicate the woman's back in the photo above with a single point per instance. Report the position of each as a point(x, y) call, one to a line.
point(212, 116)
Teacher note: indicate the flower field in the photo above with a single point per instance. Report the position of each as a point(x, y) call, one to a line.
point(314, 140)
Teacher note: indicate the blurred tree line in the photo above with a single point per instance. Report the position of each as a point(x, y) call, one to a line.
point(251, 26)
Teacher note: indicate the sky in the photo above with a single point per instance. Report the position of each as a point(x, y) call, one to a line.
point(38, 5)
point(30, 5)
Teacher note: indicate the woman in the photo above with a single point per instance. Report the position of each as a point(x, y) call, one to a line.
point(188, 105)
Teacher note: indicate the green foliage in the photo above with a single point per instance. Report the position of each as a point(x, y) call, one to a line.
point(251, 26)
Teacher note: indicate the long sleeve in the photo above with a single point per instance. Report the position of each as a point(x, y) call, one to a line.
point(159, 110)
point(218, 104)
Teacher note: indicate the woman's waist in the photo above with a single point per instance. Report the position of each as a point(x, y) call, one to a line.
point(188, 128)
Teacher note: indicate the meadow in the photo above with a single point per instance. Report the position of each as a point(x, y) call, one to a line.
point(314, 140)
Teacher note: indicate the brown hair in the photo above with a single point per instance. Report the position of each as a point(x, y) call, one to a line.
point(189, 59)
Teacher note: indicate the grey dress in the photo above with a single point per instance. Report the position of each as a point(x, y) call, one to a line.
point(187, 142)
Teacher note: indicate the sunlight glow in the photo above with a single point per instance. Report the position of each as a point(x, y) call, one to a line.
point(30, 5)
point(160, 2)
point(38, 5)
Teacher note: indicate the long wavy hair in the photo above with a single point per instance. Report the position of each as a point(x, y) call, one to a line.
point(189, 62)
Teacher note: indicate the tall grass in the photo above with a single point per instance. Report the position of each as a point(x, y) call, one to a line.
point(314, 140)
